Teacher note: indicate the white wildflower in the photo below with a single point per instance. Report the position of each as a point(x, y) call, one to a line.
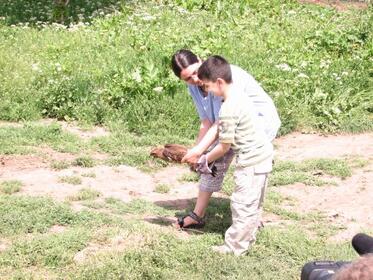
point(325, 63)
point(35, 67)
point(182, 10)
point(137, 76)
point(291, 12)
point(148, 18)
point(158, 89)
point(344, 73)
point(302, 75)
point(58, 67)
point(283, 67)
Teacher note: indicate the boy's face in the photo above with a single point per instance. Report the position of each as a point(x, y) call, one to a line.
point(189, 74)
point(215, 87)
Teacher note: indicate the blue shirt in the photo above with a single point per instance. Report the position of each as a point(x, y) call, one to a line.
point(208, 106)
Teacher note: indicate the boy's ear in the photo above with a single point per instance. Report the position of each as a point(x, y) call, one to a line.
point(220, 81)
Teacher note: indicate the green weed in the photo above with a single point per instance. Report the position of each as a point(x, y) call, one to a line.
point(60, 164)
point(85, 194)
point(9, 187)
point(189, 177)
point(84, 161)
point(89, 175)
point(162, 188)
point(73, 180)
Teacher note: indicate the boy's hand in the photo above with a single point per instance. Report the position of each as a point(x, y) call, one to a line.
point(203, 166)
point(192, 156)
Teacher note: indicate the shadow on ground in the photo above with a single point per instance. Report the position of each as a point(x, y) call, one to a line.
point(218, 214)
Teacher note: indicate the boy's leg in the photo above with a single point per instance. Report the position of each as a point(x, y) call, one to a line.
point(209, 184)
point(246, 210)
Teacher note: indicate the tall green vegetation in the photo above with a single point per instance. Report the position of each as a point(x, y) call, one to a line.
point(99, 67)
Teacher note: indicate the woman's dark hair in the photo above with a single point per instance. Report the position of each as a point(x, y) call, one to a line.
point(181, 60)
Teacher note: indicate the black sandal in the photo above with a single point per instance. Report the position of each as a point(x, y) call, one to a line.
point(200, 221)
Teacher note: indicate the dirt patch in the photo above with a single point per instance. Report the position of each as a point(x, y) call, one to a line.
point(298, 146)
point(348, 203)
point(57, 229)
point(4, 245)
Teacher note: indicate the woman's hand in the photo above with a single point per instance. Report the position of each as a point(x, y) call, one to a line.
point(192, 156)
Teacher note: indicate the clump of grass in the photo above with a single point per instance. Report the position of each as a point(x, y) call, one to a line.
point(357, 162)
point(189, 177)
point(288, 177)
point(162, 188)
point(308, 172)
point(73, 180)
point(60, 164)
point(93, 204)
point(11, 186)
point(85, 194)
point(84, 161)
point(89, 174)
point(334, 167)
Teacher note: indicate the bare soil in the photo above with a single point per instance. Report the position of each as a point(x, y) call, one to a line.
point(348, 205)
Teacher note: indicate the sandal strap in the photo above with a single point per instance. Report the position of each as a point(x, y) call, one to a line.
point(195, 217)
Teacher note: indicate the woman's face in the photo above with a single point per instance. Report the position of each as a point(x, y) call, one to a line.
point(189, 74)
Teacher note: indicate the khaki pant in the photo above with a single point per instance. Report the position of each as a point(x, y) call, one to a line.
point(246, 205)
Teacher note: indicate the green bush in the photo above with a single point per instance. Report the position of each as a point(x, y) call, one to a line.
point(313, 61)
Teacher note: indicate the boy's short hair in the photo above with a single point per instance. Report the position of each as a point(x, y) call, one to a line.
point(215, 67)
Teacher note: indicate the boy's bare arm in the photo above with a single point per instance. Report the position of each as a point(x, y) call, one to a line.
point(207, 140)
point(219, 150)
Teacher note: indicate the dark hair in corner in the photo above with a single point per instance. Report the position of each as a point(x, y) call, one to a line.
point(181, 60)
point(215, 67)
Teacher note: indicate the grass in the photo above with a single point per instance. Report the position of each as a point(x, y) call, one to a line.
point(12, 186)
point(162, 188)
point(84, 161)
point(23, 215)
point(89, 175)
point(72, 180)
point(78, 73)
point(29, 137)
point(85, 194)
point(189, 177)
point(310, 172)
point(313, 61)
point(60, 164)
point(154, 251)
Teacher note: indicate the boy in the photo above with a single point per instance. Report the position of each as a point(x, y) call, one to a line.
point(239, 130)
point(185, 65)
